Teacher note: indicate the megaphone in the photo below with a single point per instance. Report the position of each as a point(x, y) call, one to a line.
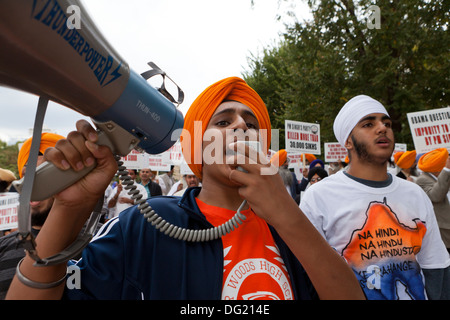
point(52, 48)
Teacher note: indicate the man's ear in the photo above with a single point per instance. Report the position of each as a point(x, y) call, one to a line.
point(349, 142)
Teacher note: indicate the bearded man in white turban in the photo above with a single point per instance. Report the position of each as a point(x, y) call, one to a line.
point(383, 226)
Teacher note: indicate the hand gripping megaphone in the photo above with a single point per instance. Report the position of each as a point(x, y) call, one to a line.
point(52, 48)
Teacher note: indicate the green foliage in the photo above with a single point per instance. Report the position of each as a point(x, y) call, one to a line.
point(8, 157)
point(320, 64)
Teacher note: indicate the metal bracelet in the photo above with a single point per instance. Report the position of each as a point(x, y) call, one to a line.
point(34, 284)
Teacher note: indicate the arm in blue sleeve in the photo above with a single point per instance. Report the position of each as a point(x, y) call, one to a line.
point(99, 273)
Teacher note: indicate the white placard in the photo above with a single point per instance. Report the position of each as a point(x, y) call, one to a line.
point(399, 147)
point(430, 129)
point(175, 155)
point(302, 137)
point(135, 160)
point(159, 162)
point(334, 152)
point(9, 204)
point(184, 169)
point(295, 160)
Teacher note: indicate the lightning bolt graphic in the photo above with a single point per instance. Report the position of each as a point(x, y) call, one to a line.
point(33, 7)
point(115, 74)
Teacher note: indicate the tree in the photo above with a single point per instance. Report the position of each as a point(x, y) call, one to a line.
point(320, 64)
point(8, 157)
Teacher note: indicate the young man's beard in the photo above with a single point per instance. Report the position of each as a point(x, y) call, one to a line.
point(363, 154)
point(38, 218)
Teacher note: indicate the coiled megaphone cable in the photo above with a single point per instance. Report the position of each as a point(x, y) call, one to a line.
point(168, 228)
point(199, 235)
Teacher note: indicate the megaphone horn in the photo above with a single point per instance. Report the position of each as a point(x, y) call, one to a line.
point(79, 69)
point(45, 53)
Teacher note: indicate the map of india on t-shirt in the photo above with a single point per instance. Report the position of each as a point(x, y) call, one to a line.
point(253, 267)
point(384, 251)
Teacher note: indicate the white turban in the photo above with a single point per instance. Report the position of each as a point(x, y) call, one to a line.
point(352, 112)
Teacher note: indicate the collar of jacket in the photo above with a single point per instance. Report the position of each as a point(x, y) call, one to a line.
point(188, 203)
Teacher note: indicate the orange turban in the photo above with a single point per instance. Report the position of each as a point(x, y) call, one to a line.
point(279, 158)
point(47, 140)
point(433, 161)
point(309, 157)
point(406, 159)
point(397, 156)
point(203, 108)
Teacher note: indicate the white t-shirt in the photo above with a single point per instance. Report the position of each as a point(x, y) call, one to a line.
point(386, 234)
point(119, 207)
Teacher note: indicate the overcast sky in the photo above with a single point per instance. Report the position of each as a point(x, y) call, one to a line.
point(196, 42)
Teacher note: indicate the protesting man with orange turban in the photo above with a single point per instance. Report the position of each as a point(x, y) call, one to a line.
point(48, 140)
point(435, 181)
point(10, 254)
point(257, 259)
point(406, 161)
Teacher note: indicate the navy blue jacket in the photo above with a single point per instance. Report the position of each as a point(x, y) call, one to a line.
point(130, 259)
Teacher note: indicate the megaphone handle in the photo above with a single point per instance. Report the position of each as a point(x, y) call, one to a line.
point(55, 180)
point(50, 180)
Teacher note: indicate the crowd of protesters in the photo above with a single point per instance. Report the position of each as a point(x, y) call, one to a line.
point(374, 226)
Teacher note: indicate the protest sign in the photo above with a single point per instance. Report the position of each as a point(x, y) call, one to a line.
point(9, 204)
point(135, 160)
point(399, 147)
point(175, 155)
point(295, 160)
point(334, 152)
point(302, 137)
point(159, 162)
point(430, 129)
